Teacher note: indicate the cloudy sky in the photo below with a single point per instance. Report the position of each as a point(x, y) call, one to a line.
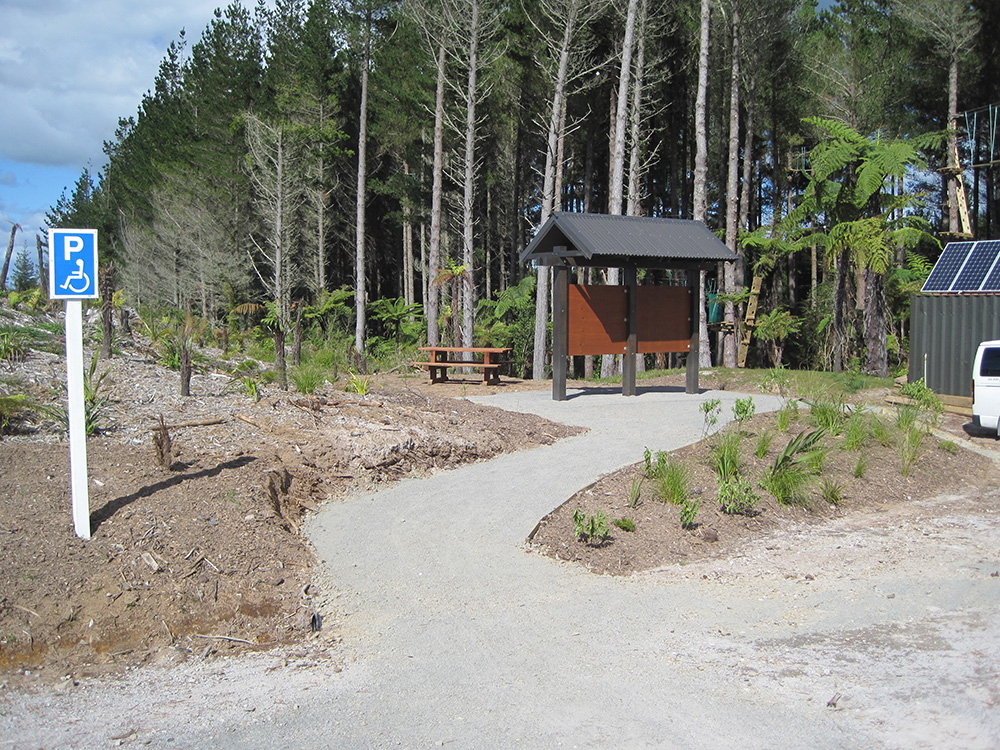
point(68, 70)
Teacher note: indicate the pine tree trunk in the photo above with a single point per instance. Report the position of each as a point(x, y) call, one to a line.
point(360, 294)
point(732, 192)
point(700, 195)
point(434, 251)
point(468, 259)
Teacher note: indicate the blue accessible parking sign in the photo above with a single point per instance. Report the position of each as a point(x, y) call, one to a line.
point(73, 264)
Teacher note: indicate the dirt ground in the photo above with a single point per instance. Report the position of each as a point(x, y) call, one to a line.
point(943, 465)
point(205, 556)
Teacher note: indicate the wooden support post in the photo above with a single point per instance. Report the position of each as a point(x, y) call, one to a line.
point(631, 332)
point(691, 385)
point(560, 337)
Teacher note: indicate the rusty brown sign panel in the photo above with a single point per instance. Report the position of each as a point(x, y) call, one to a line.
point(597, 321)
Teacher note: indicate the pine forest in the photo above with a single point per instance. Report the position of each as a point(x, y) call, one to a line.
point(360, 177)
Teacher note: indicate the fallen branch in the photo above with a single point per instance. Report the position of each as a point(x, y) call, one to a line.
point(224, 638)
point(252, 423)
point(25, 609)
point(194, 423)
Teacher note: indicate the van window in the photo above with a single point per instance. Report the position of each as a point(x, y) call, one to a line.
point(990, 367)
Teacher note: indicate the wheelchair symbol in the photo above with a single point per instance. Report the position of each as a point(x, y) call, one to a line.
point(77, 276)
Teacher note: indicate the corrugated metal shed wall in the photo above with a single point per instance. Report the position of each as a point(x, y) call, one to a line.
point(945, 331)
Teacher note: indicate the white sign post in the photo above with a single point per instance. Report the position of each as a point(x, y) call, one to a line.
point(73, 277)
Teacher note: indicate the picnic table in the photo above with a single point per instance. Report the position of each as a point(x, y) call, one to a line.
point(443, 357)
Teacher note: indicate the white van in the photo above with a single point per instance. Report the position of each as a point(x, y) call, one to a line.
point(986, 386)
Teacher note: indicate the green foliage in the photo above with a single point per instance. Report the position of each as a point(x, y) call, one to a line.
point(670, 480)
point(395, 314)
point(913, 439)
point(906, 416)
point(635, 492)
point(827, 414)
point(857, 431)
point(774, 327)
point(788, 413)
point(737, 496)
point(924, 396)
point(776, 379)
point(308, 378)
point(509, 321)
point(13, 346)
point(860, 465)
point(95, 404)
point(764, 440)
point(358, 383)
point(710, 410)
point(592, 529)
point(14, 409)
point(880, 431)
point(725, 455)
point(689, 511)
point(625, 524)
point(832, 492)
point(743, 410)
point(949, 446)
point(788, 476)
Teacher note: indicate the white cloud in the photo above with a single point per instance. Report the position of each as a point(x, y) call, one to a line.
point(70, 68)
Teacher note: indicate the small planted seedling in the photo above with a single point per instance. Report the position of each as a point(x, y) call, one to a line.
point(832, 492)
point(786, 415)
point(635, 492)
point(787, 478)
point(949, 446)
point(764, 441)
point(710, 411)
point(860, 466)
point(689, 510)
point(671, 480)
point(625, 524)
point(743, 410)
point(592, 529)
point(725, 455)
point(736, 496)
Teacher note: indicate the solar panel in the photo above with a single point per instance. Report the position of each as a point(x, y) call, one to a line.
point(948, 267)
point(992, 281)
point(981, 260)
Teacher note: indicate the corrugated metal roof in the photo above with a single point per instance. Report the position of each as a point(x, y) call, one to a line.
point(595, 236)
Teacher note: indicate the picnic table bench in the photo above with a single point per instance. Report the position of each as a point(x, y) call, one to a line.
point(443, 357)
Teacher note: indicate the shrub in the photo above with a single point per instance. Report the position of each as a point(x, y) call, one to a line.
point(12, 346)
point(592, 529)
point(906, 416)
point(924, 396)
point(736, 496)
point(743, 410)
point(689, 510)
point(359, 384)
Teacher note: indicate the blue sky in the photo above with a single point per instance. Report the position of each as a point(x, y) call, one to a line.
point(68, 70)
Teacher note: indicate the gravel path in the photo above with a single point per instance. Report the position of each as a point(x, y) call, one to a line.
point(883, 631)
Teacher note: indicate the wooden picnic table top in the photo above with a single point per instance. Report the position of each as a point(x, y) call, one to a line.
point(482, 349)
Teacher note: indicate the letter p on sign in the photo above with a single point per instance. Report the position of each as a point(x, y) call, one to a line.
point(73, 264)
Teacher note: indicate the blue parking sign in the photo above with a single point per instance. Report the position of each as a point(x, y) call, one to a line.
point(73, 264)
